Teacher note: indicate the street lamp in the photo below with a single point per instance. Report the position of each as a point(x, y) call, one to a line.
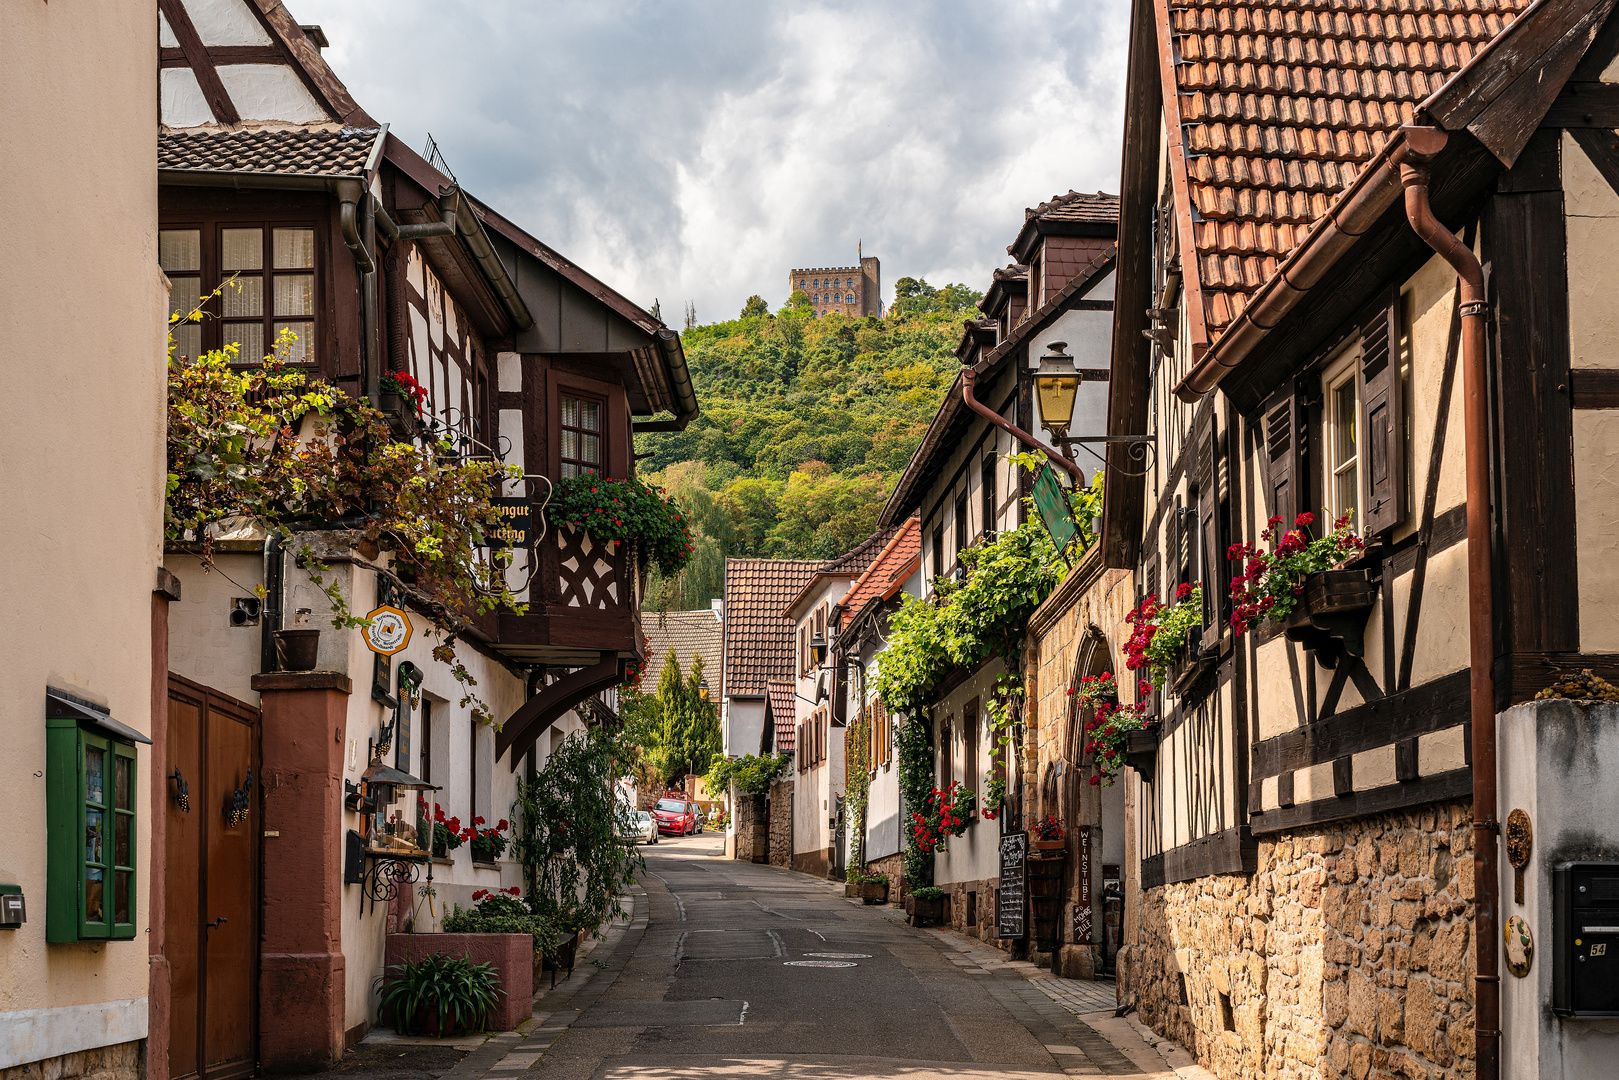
point(818, 650)
point(1056, 382)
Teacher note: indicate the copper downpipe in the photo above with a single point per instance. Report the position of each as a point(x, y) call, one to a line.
point(968, 377)
point(1421, 146)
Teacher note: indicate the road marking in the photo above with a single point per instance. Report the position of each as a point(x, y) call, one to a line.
point(819, 963)
point(841, 955)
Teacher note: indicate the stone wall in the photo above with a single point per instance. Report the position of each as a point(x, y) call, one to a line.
point(750, 823)
point(124, 1061)
point(1347, 954)
point(894, 867)
point(781, 823)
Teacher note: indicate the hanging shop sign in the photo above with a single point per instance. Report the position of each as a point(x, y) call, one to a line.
point(513, 530)
point(1056, 513)
point(387, 630)
point(1082, 901)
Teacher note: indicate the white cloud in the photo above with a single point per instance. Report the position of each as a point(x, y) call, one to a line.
point(699, 150)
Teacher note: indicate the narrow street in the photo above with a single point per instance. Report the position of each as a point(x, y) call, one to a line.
point(737, 970)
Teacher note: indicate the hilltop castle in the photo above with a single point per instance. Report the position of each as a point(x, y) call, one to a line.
point(847, 290)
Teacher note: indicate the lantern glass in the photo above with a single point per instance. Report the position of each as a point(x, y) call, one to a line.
point(1054, 394)
point(818, 650)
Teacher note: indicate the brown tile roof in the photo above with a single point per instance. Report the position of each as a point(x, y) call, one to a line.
point(758, 639)
point(689, 634)
point(852, 563)
point(887, 573)
point(279, 151)
point(1280, 105)
point(783, 714)
point(1100, 208)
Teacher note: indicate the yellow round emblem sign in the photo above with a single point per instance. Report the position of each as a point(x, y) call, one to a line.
point(386, 630)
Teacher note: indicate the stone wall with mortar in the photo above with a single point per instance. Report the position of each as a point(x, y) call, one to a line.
point(750, 823)
point(121, 1061)
point(1349, 954)
point(781, 823)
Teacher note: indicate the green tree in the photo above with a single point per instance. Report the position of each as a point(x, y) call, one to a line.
point(799, 301)
point(686, 735)
point(755, 306)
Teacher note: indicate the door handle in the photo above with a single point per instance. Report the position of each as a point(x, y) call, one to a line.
point(217, 922)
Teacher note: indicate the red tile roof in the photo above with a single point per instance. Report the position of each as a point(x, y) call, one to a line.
point(758, 639)
point(851, 564)
point(1280, 105)
point(784, 714)
point(887, 575)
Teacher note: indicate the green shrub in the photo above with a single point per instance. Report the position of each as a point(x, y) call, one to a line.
point(440, 995)
point(928, 892)
point(502, 913)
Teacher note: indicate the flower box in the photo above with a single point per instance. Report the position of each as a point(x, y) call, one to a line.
point(851, 891)
point(874, 892)
point(1330, 618)
point(400, 412)
point(1048, 845)
point(1141, 753)
point(924, 911)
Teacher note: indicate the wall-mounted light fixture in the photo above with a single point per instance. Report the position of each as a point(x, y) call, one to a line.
point(1056, 383)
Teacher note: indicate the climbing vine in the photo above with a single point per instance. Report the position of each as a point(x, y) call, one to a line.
point(915, 754)
point(857, 788)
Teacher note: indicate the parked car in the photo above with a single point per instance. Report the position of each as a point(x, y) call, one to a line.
point(676, 816)
point(638, 825)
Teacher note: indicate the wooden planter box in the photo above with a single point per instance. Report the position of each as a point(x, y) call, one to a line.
point(512, 955)
point(1141, 753)
point(874, 892)
point(924, 911)
point(1330, 618)
point(400, 412)
point(1048, 845)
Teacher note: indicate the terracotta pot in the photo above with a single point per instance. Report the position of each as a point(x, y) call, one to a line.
point(1048, 845)
point(297, 650)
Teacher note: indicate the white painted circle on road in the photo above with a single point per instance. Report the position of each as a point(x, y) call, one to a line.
point(820, 963)
point(841, 955)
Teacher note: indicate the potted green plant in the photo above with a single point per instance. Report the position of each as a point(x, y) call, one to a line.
point(1161, 634)
point(925, 905)
point(873, 888)
point(1048, 835)
point(439, 995)
point(1118, 734)
point(488, 843)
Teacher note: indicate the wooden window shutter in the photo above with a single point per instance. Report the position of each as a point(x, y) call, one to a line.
point(1283, 430)
point(1382, 418)
point(1211, 554)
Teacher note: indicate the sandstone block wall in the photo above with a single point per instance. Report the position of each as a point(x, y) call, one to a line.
point(750, 823)
point(1349, 953)
point(781, 823)
point(124, 1061)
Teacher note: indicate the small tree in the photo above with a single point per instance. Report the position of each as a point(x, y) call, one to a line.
point(687, 731)
point(755, 306)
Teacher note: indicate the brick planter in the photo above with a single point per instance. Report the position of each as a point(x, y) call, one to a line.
point(512, 955)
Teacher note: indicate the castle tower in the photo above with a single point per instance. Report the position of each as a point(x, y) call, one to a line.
point(848, 290)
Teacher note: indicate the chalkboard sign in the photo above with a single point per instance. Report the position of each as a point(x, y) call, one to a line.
point(1014, 880)
point(1082, 903)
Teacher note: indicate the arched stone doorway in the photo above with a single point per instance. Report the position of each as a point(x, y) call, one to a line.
point(1084, 808)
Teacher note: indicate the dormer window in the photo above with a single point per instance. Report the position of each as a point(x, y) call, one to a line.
point(581, 435)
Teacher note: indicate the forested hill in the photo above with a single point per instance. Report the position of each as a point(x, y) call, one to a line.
point(806, 423)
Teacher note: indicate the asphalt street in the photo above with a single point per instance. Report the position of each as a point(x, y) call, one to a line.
point(741, 971)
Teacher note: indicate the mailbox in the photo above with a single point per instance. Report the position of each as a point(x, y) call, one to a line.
point(13, 908)
point(1585, 950)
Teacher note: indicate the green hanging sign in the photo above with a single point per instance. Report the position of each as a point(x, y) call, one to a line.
point(1056, 513)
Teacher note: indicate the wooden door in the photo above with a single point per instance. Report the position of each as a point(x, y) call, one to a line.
point(211, 935)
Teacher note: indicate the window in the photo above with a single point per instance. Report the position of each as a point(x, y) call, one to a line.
point(90, 805)
point(969, 746)
point(266, 273)
point(938, 550)
point(947, 764)
point(581, 428)
point(961, 523)
point(986, 491)
point(1340, 413)
point(427, 740)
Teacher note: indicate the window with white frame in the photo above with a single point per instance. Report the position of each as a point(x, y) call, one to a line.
point(1340, 430)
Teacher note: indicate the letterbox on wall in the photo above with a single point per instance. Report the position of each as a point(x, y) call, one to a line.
point(1585, 951)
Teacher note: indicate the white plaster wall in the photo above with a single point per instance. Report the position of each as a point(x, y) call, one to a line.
point(1559, 763)
point(183, 103)
point(270, 92)
point(82, 446)
point(1591, 212)
point(225, 22)
point(975, 854)
point(1596, 526)
point(203, 645)
point(744, 726)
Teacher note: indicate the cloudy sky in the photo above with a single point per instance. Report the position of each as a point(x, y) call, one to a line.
point(698, 150)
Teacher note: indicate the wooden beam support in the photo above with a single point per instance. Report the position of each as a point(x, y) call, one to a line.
point(196, 55)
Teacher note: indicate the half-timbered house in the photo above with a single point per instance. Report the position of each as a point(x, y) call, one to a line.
point(275, 183)
point(1362, 271)
point(963, 486)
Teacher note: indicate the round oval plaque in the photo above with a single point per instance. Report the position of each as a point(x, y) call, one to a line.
point(1520, 946)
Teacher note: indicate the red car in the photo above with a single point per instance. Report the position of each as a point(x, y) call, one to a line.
point(675, 816)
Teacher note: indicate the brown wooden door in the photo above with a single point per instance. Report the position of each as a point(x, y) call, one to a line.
point(211, 935)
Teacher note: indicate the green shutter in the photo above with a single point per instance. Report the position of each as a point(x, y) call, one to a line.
point(91, 801)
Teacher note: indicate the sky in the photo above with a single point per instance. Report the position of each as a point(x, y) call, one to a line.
point(697, 151)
